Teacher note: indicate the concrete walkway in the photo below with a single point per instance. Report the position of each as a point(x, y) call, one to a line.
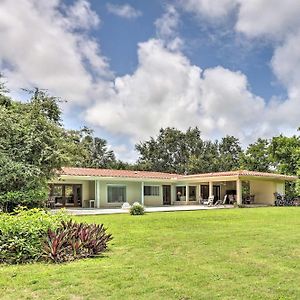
point(107, 211)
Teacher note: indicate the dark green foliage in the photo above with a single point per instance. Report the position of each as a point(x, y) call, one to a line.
point(34, 144)
point(257, 156)
point(95, 151)
point(285, 155)
point(230, 152)
point(180, 152)
point(20, 184)
point(22, 234)
point(137, 209)
point(74, 240)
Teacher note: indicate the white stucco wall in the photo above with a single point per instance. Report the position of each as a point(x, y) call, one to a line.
point(263, 190)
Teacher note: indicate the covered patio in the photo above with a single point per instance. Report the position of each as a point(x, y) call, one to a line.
point(240, 187)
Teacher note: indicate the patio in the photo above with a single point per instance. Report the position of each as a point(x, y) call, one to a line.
point(108, 211)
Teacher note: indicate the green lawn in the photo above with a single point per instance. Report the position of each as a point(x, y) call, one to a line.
point(216, 254)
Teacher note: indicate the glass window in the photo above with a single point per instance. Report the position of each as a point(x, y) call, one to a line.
point(69, 195)
point(116, 194)
point(151, 190)
point(180, 193)
point(57, 190)
point(192, 193)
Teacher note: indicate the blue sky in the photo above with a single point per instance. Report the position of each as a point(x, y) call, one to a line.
point(119, 38)
point(128, 68)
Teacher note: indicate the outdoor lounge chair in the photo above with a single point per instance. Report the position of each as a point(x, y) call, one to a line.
point(231, 199)
point(209, 201)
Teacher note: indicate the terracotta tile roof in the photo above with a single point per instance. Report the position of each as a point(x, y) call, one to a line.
point(116, 173)
point(243, 173)
point(160, 175)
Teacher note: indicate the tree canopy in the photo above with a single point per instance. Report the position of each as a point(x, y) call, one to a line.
point(187, 153)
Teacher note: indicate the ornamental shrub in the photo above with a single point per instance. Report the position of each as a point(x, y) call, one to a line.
point(37, 235)
point(137, 209)
point(73, 240)
point(22, 233)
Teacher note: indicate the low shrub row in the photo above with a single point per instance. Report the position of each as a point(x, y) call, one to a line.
point(36, 235)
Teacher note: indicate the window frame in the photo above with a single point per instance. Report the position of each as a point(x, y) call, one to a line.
point(116, 186)
point(151, 194)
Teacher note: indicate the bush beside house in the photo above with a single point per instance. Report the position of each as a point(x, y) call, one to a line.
point(137, 209)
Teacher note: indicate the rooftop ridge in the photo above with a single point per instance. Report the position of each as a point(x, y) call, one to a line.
point(77, 171)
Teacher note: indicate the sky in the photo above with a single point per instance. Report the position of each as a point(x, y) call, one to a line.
point(128, 68)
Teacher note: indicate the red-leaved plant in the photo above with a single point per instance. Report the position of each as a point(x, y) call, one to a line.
point(75, 240)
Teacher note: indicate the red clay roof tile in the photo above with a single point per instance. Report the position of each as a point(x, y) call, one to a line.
point(160, 175)
point(116, 173)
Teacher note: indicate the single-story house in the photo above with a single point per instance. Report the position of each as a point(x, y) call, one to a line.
point(106, 188)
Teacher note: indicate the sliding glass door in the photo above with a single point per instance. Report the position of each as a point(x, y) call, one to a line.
point(66, 195)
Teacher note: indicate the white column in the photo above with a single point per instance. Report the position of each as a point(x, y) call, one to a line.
point(187, 194)
point(173, 194)
point(239, 199)
point(142, 194)
point(97, 193)
point(210, 189)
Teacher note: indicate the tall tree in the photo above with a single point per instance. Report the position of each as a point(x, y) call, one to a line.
point(33, 145)
point(230, 153)
point(97, 154)
point(165, 153)
point(257, 156)
point(285, 155)
point(186, 152)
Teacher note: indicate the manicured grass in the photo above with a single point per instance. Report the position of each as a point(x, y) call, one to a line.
point(219, 254)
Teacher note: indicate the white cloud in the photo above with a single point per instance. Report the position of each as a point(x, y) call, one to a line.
point(81, 15)
point(166, 28)
point(209, 8)
point(167, 90)
point(124, 11)
point(286, 66)
point(41, 49)
point(255, 18)
point(278, 22)
point(271, 19)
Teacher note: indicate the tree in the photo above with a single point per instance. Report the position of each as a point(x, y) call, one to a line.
point(285, 155)
point(33, 145)
point(4, 99)
point(186, 153)
point(257, 156)
point(20, 184)
point(98, 154)
point(170, 151)
point(89, 151)
point(230, 152)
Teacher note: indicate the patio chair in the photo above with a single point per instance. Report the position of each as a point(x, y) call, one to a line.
point(231, 199)
point(218, 202)
point(225, 199)
point(201, 200)
point(209, 201)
